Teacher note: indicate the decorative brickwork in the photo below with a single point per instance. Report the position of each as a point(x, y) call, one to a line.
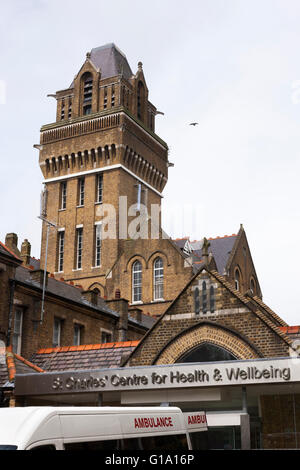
point(206, 334)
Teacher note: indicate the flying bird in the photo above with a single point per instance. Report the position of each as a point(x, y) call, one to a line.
point(194, 123)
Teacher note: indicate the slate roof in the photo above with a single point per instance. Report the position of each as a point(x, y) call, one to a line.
point(220, 248)
point(64, 290)
point(92, 356)
point(12, 364)
point(111, 61)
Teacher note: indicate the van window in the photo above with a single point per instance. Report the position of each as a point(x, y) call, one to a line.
point(44, 447)
point(6, 447)
point(170, 442)
point(92, 445)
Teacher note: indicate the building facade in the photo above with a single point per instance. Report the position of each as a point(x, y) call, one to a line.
point(104, 170)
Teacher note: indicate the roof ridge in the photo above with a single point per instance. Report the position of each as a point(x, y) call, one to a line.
point(260, 314)
point(269, 310)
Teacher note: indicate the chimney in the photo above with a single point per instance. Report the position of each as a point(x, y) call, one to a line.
point(38, 276)
point(91, 296)
point(136, 313)
point(120, 306)
point(25, 252)
point(11, 241)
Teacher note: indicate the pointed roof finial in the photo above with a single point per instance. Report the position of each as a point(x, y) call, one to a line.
point(88, 55)
point(205, 246)
point(140, 66)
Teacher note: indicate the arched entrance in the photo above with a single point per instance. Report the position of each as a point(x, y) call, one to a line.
point(209, 340)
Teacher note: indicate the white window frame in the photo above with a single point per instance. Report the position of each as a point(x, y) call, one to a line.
point(81, 191)
point(61, 250)
point(137, 282)
point(17, 332)
point(99, 190)
point(63, 195)
point(158, 280)
point(79, 247)
point(98, 245)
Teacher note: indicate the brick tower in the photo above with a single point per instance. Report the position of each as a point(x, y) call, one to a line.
point(102, 147)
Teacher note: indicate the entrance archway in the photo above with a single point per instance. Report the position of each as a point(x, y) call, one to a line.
point(206, 333)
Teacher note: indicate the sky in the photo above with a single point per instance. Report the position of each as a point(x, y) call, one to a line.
point(233, 66)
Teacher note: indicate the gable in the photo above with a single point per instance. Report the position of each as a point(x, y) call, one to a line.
point(253, 331)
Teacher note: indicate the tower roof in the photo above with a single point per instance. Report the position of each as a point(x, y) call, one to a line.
point(111, 61)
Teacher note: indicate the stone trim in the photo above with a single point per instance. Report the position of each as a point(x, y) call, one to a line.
point(205, 334)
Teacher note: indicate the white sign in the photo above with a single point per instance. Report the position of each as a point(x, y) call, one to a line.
point(264, 371)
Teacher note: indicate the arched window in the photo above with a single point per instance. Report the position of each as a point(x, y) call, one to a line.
point(204, 297)
point(252, 286)
point(212, 299)
point(137, 281)
point(87, 94)
point(158, 281)
point(237, 279)
point(207, 352)
point(197, 300)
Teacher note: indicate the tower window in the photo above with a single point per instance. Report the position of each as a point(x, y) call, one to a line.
point(61, 243)
point(112, 96)
point(87, 109)
point(62, 115)
point(105, 98)
point(99, 188)
point(98, 242)
point(79, 243)
point(137, 282)
point(158, 279)
point(63, 195)
point(81, 190)
point(140, 100)
point(70, 109)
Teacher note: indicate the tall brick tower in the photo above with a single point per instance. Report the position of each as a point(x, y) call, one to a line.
point(102, 147)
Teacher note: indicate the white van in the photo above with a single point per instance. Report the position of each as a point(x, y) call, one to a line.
point(93, 428)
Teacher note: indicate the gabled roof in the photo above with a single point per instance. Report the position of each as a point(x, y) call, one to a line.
point(264, 313)
point(10, 364)
point(91, 356)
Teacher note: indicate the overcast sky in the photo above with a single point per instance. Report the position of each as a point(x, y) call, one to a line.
point(233, 66)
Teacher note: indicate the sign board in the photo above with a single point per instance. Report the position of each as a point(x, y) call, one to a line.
point(261, 371)
point(195, 421)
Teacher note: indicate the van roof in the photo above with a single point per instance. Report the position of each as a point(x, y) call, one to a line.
point(17, 424)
